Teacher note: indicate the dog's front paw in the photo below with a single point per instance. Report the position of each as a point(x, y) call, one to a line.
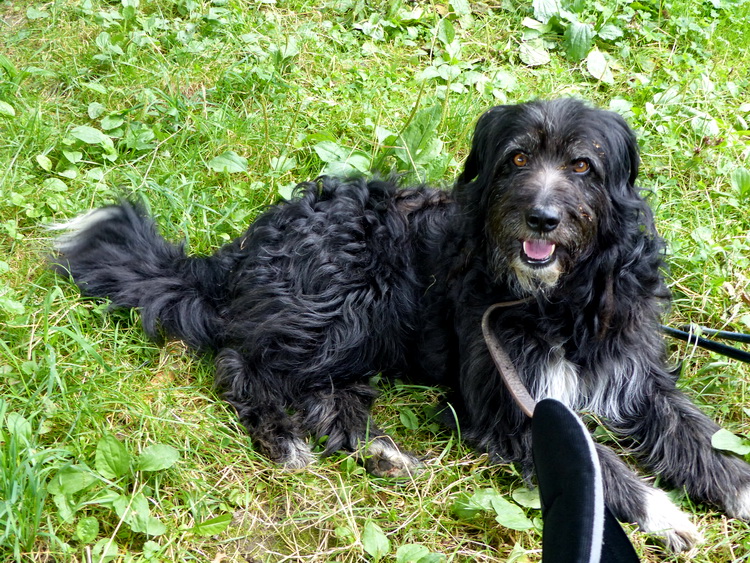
point(664, 519)
point(384, 459)
point(738, 505)
point(297, 455)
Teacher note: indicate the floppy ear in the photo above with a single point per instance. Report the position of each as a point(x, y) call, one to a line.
point(488, 135)
point(623, 156)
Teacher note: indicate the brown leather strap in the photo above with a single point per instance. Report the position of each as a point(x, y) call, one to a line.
point(503, 363)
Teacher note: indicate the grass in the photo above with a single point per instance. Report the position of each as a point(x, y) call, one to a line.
point(211, 110)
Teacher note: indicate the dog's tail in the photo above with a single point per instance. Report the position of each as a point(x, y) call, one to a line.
point(116, 252)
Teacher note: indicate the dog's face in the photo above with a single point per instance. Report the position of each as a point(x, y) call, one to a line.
point(551, 177)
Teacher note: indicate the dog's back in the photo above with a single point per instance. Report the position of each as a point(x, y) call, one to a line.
point(319, 294)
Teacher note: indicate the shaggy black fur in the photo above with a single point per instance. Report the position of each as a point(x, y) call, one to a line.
point(352, 278)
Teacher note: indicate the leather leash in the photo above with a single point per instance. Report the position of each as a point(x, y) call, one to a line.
point(503, 362)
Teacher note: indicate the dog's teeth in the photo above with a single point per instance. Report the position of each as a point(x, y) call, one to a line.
point(538, 249)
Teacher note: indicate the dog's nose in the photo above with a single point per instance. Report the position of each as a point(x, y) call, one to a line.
point(543, 219)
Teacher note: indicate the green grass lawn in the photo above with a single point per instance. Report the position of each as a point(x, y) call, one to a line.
point(115, 448)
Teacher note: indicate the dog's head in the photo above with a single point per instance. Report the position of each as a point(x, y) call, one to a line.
point(549, 183)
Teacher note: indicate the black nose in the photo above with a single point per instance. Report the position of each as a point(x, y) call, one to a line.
point(543, 219)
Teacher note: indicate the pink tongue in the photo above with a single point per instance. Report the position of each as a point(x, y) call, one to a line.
point(538, 249)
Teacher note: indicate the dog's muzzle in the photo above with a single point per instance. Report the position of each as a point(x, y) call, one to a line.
point(539, 252)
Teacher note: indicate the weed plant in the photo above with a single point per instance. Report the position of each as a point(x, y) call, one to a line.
point(115, 449)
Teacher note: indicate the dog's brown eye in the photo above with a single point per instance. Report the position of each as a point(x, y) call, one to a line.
point(581, 166)
point(520, 160)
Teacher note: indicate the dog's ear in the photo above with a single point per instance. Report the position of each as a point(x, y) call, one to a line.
point(622, 156)
point(488, 137)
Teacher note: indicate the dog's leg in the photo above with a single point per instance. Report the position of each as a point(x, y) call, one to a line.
point(383, 457)
point(342, 416)
point(675, 442)
point(262, 412)
point(630, 499)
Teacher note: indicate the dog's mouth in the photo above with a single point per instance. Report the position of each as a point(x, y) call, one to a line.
point(538, 252)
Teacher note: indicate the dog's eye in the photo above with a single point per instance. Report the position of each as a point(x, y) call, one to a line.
point(581, 166)
point(520, 160)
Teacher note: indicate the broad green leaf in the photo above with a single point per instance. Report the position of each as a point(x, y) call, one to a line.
point(461, 7)
point(725, 440)
point(545, 9)
point(578, 40)
point(44, 162)
point(95, 87)
point(106, 497)
point(408, 418)
point(411, 553)
point(415, 553)
point(534, 53)
point(73, 156)
point(87, 529)
point(134, 511)
point(341, 161)
point(112, 459)
point(33, 13)
point(328, 151)
point(598, 67)
point(105, 550)
point(446, 32)
point(449, 73)
point(528, 498)
point(740, 180)
point(286, 191)
point(212, 526)
point(374, 541)
point(282, 164)
point(229, 162)
point(90, 136)
point(95, 110)
point(110, 122)
point(69, 173)
point(429, 72)
point(18, 426)
point(157, 457)
point(467, 506)
point(151, 550)
point(344, 533)
point(65, 509)
point(54, 185)
point(288, 49)
point(705, 125)
point(510, 515)
point(419, 141)
point(6, 109)
point(609, 32)
point(71, 479)
point(506, 513)
point(11, 306)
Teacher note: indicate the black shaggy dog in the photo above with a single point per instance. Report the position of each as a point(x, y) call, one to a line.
point(352, 278)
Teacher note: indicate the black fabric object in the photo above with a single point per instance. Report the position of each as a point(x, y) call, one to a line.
point(578, 528)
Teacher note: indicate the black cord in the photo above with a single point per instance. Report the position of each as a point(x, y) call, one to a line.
point(719, 348)
point(726, 335)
